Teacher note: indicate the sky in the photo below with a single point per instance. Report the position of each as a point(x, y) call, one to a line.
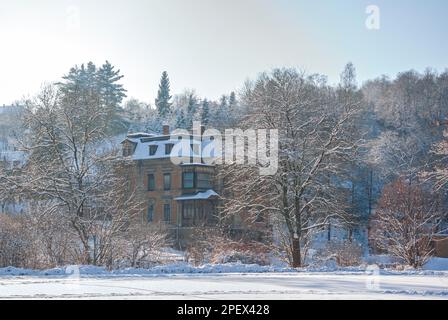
point(214, 46)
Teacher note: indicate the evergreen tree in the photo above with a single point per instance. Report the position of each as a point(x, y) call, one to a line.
point(91, 82)
point(223, 102)
point(181, 122)
point(162, 101)
point(191, 107)
point(221, 114)
point(205, 112)
point(232, 109)
point(90, 77)
point(232, 99)
point(76, 78)
point(111, 92)
point(102, 80)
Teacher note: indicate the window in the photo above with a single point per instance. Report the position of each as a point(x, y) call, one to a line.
point(168, 148)
point(152, 150)
point(167, 212)
point(127, 151)
point(150, 212)
point(151, 182)
point(166, 181)
point(204, 181)
point(188, 180)
point(188, 211)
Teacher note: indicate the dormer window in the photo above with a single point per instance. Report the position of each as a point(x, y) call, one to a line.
point(152, 150)
point(128, 149)
point(168, 148)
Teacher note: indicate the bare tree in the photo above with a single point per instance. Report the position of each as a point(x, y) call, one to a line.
point(72, 173)
point(405, 222)
point(141, 245)
point(315, 136)
point(16, 245)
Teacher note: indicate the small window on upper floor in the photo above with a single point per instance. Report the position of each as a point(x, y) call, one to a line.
point(188, 180)
point(204, 180)
point(151, 182)
point(127, 150)
point(168, 148)
point(167, 212)
point(152, 150)
point(166, 181)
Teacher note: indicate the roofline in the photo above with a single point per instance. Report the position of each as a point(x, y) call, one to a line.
point(128, 139)
point(197, 164)
point(170, 136)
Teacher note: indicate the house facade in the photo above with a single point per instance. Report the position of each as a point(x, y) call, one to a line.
point(179, 188)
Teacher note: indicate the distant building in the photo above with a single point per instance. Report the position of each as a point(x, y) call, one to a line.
point(181, 196)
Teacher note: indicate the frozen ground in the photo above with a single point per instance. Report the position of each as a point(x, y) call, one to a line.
point(227, 281)
point(291, 285)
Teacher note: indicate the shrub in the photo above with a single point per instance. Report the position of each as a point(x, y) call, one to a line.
point(16, 244)
point(343, 253)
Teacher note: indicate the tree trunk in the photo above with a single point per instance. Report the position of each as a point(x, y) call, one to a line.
point(296, 254)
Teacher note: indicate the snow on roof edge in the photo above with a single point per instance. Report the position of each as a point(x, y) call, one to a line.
point(204, 195)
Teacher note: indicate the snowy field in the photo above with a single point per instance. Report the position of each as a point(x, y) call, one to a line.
point(268, 285)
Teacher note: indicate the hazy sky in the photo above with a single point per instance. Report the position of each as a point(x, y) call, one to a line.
point(213, 46)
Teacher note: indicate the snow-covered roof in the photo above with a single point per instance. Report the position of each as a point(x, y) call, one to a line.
point(137, 135)
point(199, 164)
point(198, 196)
point(181, 147)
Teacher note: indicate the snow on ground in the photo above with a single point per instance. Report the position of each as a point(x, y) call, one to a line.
point(175, 268)
point(436, 267)
point(298, 285)
point(225, 281)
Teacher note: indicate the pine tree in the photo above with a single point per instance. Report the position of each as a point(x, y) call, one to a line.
point(181, 122)
point(75, 80)
point(220, 114)
point(90, 77)
point(205, 112)
point(111, 92)
point(97, 83)
point(191, 107)
point(103, 80)
point(223, 102)
point(232, 99)
point(162, 101)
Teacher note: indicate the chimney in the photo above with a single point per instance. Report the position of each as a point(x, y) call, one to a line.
point(166, 130)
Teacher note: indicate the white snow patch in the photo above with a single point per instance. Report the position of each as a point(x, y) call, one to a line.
point(198, 196)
